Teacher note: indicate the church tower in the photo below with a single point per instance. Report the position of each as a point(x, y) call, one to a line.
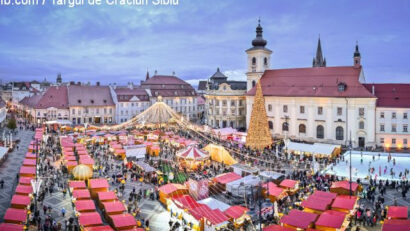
point(59, 80)
point(357, 57)
point(319, 60)
point(258, 58)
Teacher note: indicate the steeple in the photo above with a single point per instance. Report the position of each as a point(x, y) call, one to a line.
point(319, 61)
point(259, 136)
point(59, 80)
point(259, 41)
point(147, 76)
point(356, 56)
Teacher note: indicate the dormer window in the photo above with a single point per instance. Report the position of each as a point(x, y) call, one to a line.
point(105, 101)
point(176, 93)
point(182, 86)
point(92, 101)
point(79, 101)
point(341, 87)
point(163, 85)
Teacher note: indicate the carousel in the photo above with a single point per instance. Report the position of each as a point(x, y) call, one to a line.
point(192, 158)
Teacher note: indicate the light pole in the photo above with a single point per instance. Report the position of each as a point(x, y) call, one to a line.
point(350, 164)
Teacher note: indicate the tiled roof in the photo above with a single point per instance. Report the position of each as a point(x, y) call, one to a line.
point(391, 94)
point(89, 96)
point(31, 101)
point(125, 94)
point(313, 82)
point(168, 86)
point(54, 97)
point(164, 79)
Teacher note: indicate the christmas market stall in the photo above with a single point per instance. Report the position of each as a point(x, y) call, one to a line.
point(113, 208)
point(345, 204)
point(97, 185)
point(273, 192)
point(81, 194)
point(109, 196)
point(123, 222)
point(27, 171)
point(15, 216)
point(277, 228)
point(89, 219)
point(23, 190)
point(83, 206)
point(20, 201)
point(291, 186)
point(343, 187)
point(192, 158)
point(220, 181)
point(76, 185)
point(297, 219)
point(318, 202)
point(100, 228)
point(11, 227)
point(170, 190)
point(244, 185)
point(237, 215)
point(397, 212)
point(396, 225)
point(331, 220)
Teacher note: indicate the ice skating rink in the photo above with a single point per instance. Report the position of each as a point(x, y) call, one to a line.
point(361, 163)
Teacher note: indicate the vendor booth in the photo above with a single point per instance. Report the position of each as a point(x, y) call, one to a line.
point(97, 185)
point(81, 194)
point(273, 192)
point(275, 177)
point(100, 228)
point(77, 185)
point(244, 170)
point(237, 215)
point(277, 228)
point(25, 181)
point(332, 221)
point(136, 151)
point(219, 154)
point(171, 190)
point(24, 190)
point(123, 222)
point(113, 208)
point(316, 204)
point(397, 212)
point(297, 219)
point(343, 187)
point(11, 227)
point(109, 196)
point(221, 180)
point(291, 186)
point(243, 185)
point(396, 225)
point(345, 204)
point(20, 202)
point(192, 158)
point(83, 206)
point(28, 171)
point(15, 216)
point(89, 219)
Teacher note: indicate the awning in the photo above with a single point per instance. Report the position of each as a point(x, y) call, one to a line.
point(185, 202)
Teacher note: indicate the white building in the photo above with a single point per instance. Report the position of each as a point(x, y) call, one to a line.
point(314, 104)
point(392, 114)
point(129, 101)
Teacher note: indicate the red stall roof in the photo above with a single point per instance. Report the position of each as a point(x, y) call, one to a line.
point(227, 177)
point(27, 170)
point(98, 183)
point(12, 214)
point(110, 195)
point(325, 194)
point(170, 188)
point(288, 183)
point(99, 228)
point(115, 206)
point(84, 205)
point(87, 161)
point(24, 189)
point(11, 227)
point(273, 189)
point(29, 162)
point(90, 219)
point(77, 184)
point(70, 158)
point(123, 220)
point(25, 180)
point(317, 203)
point(185, 202)
point(236, 211)
point(344, 185)
point(20, 200)
point(277, 228)
point(332, 219)
point(396, 225)
point(397, 212)
point(71, 163)
point(81, 194)
point(30, 155)
point(344, 202)
point(299, 219)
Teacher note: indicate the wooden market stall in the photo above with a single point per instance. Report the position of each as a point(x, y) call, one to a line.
point(291, 186)
point(273, 192)
point(397, 212)
point(30, 155)
point(99, 228)
point(113, 208)
point(23, 190)
point(15, 216)
point(316, 204)
point(25, 181)
point(77, 184)
point(345, 204)
point(277, 228)
point(81, 194)
point(343, 188)
point(27, 171)
point(29, 162)
point(297, 219)
point(220, 181)
point(20, 202)
point(89, 219)
point(97, 185)
point(108, 196)
point(83, 206)
point(170, 190)
point(123, 222)
point(11, 227)
point(396, 225)
point(237, 215)
point(331, 220)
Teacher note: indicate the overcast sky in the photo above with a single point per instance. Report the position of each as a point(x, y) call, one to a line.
point(118, 44)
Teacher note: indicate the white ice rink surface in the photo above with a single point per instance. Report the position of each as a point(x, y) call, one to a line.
point(361, 169)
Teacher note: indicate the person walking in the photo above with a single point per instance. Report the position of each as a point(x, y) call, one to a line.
point(63, 212)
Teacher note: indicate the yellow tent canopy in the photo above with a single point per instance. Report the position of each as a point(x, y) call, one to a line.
point(82, 172)
point(219, 154)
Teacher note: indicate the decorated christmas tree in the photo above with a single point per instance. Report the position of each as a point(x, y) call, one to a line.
point(259, 135)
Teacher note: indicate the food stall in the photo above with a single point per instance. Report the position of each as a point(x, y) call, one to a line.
point(297, 219)
point(15, 216)
point(123, 222)
point(97, 185)
point(343, 187)
point(20, 201)
point(81, 194)
point(332, 221)
point(273, 192)
point(237, 215)
point(109, 196)
point(220, 181)
point(397, 212)
point(83, 206)
point(345, 204)
point(77, 184)
point(89, 219)
point(113, 208)
point(291, 186)
point(170, 190)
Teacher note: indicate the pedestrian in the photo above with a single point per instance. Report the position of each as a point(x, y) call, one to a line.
point(63, 212)
point(1, 183)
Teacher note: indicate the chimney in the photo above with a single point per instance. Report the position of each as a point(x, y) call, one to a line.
point(373, 90)
point(98, 83)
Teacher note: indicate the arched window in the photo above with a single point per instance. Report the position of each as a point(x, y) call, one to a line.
point(265, 61)
point(285, 126)
point(302, 128)
point(270, 125)
point(320, 132)
point(253, 61)
point(361, 125)
point(339, 133)
point(253, 83)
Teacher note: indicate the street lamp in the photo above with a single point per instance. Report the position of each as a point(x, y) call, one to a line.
point(350, 164)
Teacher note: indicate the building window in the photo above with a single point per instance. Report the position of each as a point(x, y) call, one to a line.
point(404, 141)
point(240, 103)
point(393, 115)
point(285, 108)
point(361, 111)
point(233, 103)
point(405, 127)
point(265, 61)
point(381, 115)
point(302, 128)
point(253, 83)
point(320, 132)
point(269, 107)
point(393, 127)
point(285, 126)
point(361, 125)
point(382, 140)
point(224, 103)
point(270, 125)
point(339, 133)
point(393, 141)
point(73, 111)
point(320, 110)
point(253, 61)
point(302, 109)
point(382, 127)
point(339, 111)
point(405, 115)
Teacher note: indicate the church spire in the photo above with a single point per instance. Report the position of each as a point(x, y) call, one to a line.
point(356, 56)
point(319, 60)
point(147, 76)
point(259, 41)
point(259, 136)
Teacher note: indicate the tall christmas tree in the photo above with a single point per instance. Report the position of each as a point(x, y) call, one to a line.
point(259, 135)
